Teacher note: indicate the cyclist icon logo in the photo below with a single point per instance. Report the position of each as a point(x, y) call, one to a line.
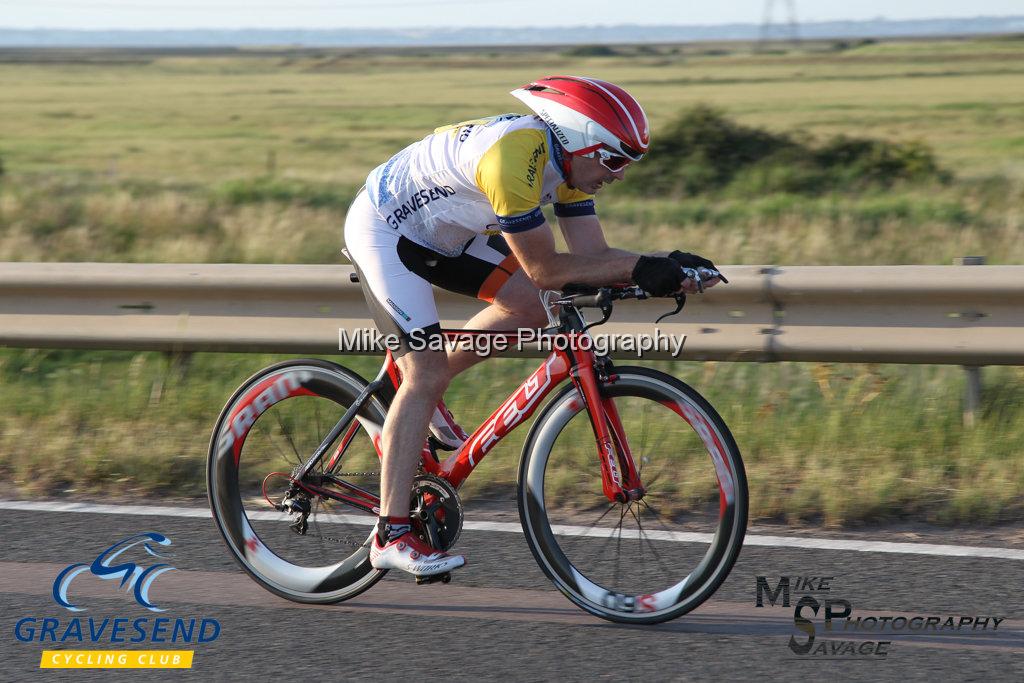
point(133, 576)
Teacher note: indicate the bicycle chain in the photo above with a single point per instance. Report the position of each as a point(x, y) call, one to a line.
point(331, 538)
point(341, 540)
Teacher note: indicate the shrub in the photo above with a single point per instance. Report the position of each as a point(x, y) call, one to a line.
point(590, 51)
point(867, 161)
point(704, 151)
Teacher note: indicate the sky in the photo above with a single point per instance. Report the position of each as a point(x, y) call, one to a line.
point(233, 14)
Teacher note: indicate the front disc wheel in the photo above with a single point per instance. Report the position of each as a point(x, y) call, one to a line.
point(654, 558)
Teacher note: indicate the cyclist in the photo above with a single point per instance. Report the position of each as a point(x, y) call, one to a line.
point(461, 209)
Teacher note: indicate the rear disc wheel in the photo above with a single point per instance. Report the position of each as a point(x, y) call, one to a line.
point(317, 550)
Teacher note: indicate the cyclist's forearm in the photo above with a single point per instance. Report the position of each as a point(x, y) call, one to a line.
point(610, 267)
point(612, 252)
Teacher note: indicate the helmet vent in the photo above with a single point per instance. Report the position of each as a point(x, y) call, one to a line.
point(544, 88)
point(629, 151)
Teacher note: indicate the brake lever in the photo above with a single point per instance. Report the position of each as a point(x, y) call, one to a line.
point(695, 275)
point(698, 275)
point(680, 302)
point(711, 273)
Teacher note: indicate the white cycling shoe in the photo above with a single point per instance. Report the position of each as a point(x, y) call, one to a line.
point(445, 430)
point(410, 554)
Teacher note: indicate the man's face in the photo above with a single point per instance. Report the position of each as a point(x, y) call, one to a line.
point(587, 174)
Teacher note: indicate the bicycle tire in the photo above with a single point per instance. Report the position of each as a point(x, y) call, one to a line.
point(275, 385)
point(559, 547)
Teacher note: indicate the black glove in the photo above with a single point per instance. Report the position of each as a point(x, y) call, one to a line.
point(687, 260)
point(658, 275)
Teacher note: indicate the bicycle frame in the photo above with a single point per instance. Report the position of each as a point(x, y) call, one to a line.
point(617, 470)
point(620, 479)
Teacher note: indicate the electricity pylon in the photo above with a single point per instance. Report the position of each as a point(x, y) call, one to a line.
point(789, 31)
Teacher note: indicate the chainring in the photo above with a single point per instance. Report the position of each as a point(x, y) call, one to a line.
point(436, 511)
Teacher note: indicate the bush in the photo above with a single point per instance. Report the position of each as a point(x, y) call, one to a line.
point(880, 162)
point(590, 51)
point(844, 45)
point(704, 151)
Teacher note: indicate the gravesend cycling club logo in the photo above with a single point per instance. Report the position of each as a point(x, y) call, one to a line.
point(131, 566)
point(844, 634)
point(137, 578)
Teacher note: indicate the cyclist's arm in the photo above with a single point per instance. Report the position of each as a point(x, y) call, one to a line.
point(550, 269)
point(584, 235)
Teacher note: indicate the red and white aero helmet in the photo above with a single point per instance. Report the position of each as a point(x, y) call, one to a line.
point(586, 114)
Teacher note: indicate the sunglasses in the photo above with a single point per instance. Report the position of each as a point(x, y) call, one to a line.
point(613, 162)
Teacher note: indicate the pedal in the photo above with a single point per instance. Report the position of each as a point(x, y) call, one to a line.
point(443, 578)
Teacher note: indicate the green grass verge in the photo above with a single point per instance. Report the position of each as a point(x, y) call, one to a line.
point(836, 444)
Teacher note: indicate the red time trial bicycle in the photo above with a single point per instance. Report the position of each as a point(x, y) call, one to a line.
point(632, 493)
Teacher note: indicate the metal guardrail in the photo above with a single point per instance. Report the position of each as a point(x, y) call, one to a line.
point(885, 314)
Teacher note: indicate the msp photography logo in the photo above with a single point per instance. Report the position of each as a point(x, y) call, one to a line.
point(124, 564)
point(843, 633)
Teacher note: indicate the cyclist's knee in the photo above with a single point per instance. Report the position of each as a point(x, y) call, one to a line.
point(425, 371)
point(530, 313)
point(521, 298)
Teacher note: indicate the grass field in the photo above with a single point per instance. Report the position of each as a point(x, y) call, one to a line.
point(334, 116)
point(211, 158)
point(253, 157)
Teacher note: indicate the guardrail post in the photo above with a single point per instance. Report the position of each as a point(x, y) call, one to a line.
point(972, 394)
point(972, 387)
point(178, 363)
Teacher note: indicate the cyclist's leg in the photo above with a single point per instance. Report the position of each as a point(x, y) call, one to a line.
point(402, 304)
point(516, 305)
point(424, 379)
point(486, 270)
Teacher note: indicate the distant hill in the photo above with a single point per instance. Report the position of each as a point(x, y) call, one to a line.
point(878, 28)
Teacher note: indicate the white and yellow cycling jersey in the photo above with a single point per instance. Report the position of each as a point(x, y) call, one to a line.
point(474, 177)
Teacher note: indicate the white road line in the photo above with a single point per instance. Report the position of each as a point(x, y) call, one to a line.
point(560, 530)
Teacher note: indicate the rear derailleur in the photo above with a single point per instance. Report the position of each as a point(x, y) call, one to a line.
point(296, 502)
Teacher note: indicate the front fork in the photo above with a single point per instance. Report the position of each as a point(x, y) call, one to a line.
point(619, 477)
